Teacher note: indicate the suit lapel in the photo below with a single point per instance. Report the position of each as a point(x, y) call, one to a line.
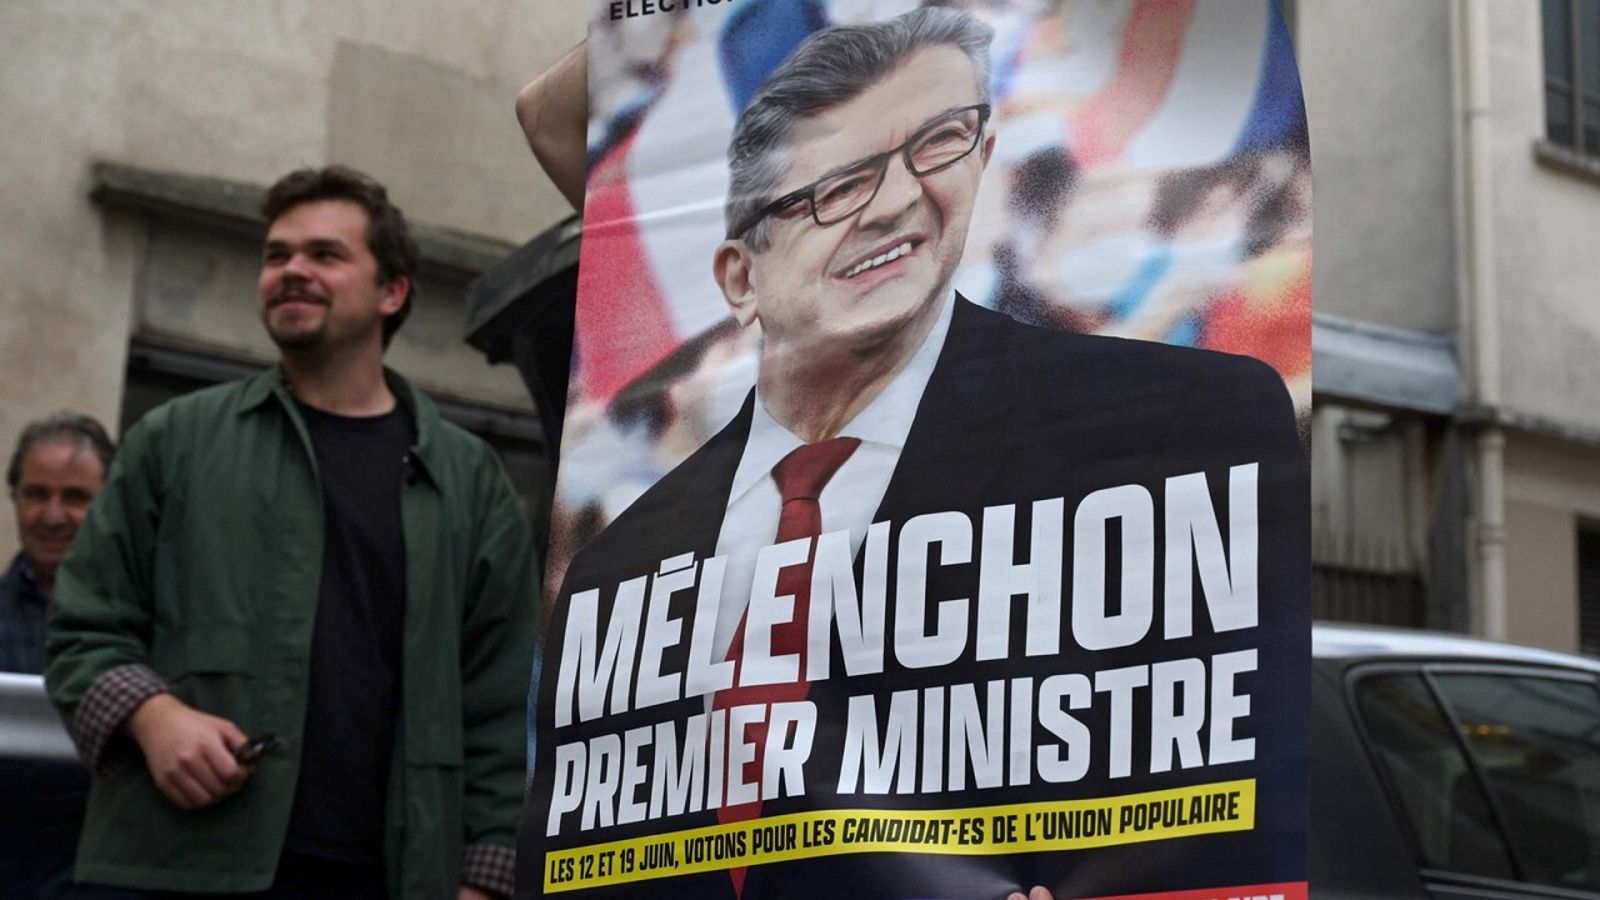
point(965, 425)
point(692, 508)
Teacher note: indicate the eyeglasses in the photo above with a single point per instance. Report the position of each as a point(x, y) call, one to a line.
point(939, 144)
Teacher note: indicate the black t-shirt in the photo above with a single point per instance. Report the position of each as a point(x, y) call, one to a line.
point(353, 698)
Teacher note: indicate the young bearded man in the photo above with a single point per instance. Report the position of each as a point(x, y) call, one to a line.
point(293, 640)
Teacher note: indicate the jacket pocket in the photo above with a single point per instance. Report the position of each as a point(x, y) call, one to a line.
point(434, 830)
point(212, 670)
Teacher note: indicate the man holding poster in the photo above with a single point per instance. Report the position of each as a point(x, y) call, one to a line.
point(954, 606)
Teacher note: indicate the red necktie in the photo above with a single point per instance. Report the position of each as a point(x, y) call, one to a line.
point(800, 476)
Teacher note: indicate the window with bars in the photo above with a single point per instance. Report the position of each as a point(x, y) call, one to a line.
point(1589, 588)
point(1572, 74)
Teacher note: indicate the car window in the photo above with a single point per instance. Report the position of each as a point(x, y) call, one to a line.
point(1428, 774)
point(1536, 742)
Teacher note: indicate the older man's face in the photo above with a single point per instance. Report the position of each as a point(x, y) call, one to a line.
point(55, 485)
point(882, 272)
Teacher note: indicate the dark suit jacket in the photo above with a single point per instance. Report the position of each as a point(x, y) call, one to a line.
point(1012, 414)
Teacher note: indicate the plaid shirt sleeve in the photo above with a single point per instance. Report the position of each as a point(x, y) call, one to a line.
point(489, 867)
point(105, 706)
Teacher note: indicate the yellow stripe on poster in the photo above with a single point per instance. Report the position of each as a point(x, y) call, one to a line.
point(1014, 828)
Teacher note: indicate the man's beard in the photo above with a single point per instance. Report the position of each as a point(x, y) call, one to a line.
point(295, 340)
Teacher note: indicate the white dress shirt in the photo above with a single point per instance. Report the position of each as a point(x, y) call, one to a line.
point(850, 498)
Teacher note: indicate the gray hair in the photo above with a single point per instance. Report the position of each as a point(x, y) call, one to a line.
point(64, 426)
point(829, 68)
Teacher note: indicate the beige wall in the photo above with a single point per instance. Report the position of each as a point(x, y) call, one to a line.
point(1541, 576)
point(1376, 81)
point(1546, 277)
point(1379, 99)
point(1548, 270)
point(1549, 487)
point(419, 93)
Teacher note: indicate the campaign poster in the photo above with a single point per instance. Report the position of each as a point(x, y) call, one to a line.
point(933, 514)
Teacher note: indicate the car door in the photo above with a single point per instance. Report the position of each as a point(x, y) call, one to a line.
point(1492, 773)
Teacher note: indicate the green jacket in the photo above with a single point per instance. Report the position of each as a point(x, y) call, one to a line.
point(198, 569)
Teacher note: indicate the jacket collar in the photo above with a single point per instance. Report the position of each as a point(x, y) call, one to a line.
point(273, 384)
point(21, 582)
point(967, 421)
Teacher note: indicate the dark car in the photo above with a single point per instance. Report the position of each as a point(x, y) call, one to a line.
point(1452, 767)
point(1441, 766)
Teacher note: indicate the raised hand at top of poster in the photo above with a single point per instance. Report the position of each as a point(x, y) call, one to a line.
point(932, 519)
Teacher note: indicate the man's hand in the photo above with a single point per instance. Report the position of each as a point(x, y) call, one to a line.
point(1038, 893)
point(468, 892)
point(189, 753)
